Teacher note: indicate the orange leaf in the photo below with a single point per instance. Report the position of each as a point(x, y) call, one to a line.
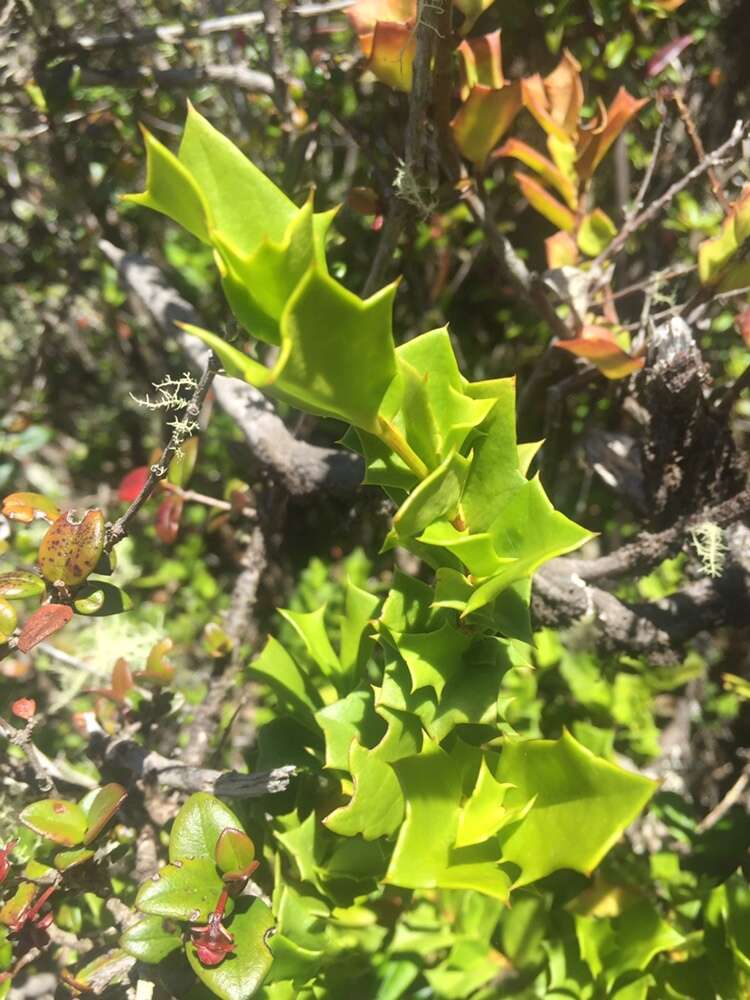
point(565, 92)
point(168, 518)
point(365, 14)
point(482, 62)
point(541, 165)
point(561, 250)
point(392, 54)
point(598, 345)
point(594, 143)
point(44, 622)
point(26, 506)
point(483, 120)
point(542, 201)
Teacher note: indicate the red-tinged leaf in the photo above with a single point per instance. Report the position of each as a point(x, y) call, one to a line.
point(543, 202)
point(132, 484)
point(212, 942)
point(363, 200)
point(122, 679)
point(168, 518)
point(8, 619)
point(182, 465)
point(4, 862)
point(546, 169)
point(365, 14)
point(43, 623)
point(158, 668)
point(26, 506)
point(561, 250)
point(105, 804)
point(235, 854)
point(392, 50)
point(18, 584)
point(14, 911)
point(482, 62)
point(72, 547)
point(595, 142)
point(598, 345)
point(24, 708)
point(564, 91)
point(57, 820)
point(742, 322)
point(484, 119)
point(667, 55)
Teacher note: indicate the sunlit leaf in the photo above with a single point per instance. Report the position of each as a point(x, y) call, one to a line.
point(62, 822)
point(483, 120)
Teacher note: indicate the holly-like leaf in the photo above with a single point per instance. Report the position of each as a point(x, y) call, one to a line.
point(101, 809)
point(310, 627)
point(60, 821)
point(43, 623)
point(376, 808)
point(184, 890)
point(280, 671)
point(151, 939)
point(19, 584)
point(582, 805)
point(72, 546)
point(337, 356)
point(240, 976)
point(198, 826)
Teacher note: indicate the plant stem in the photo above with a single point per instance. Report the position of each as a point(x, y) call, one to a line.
point(396, 442)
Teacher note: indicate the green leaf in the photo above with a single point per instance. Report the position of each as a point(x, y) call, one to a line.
point(185, 890)
point(595, 232)
point(198, 826)
point(715, 253)
point(102, 808)
point(71, 859)
point(376, 808)
point(8, 619)
point(99, 598)
point(337, 357)
point(19, 584)
point(62, 822)
point(277, 668)
point(626, 942)
point(311, 628)
point(182, 465)
point(241, 974)
point(342, 721)
point(433, 658)
point(150, 940)
point(553, 535)
point(235, 852)
point(582, 805)
point(244, 206)
point(359, 607)
point(436, 497)
point(171, 190)
point(483, 813)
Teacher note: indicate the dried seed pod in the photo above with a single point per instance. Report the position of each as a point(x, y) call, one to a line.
point(71, 548)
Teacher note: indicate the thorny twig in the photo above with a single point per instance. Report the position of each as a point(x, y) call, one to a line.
point(642, 218)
